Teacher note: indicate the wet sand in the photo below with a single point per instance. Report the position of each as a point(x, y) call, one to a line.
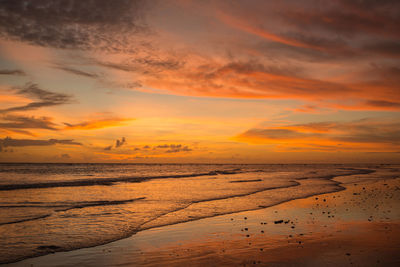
point(359, 226)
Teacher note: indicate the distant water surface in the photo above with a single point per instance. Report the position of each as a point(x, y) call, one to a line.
point(58, 207)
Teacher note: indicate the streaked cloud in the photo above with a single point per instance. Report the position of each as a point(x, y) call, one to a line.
point(11, 142)
point(173, 148)
point(12, 72)
point(19, 124)
point(77, 71)
point(356, 135)
point(44, 98)
point(192, 88)
point(98, 124)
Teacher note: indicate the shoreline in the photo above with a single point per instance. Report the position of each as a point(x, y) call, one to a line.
point(169, 231)
point(298, 182)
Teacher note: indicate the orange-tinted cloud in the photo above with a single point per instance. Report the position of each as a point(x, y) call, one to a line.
point(255, 80)
point(20, 124)
point(367, 134)
point(97, 124)
point(41, 97)
point(243, 24)
point(303, 56)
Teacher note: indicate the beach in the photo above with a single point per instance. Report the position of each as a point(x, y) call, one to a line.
point(191, 133)
point(357, 226)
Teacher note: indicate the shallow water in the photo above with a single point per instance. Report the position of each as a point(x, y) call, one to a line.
point(55, 207)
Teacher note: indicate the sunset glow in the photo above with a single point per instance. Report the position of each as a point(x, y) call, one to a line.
point(199, 81)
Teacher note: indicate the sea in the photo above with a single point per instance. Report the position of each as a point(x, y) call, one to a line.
point(46, 208)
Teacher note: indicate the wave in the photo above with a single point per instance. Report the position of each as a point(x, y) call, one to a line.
point(109, 181)
point(63, 207)
point(333, 186)
point(352, 171)
point(26, 219)
point(336, 187)
point(100, 203)
point(246, 181)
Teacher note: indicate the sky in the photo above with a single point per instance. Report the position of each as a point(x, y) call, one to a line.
point(200, 81)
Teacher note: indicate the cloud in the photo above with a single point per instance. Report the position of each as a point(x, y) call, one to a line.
point(275, 134)
point(310, 31)
point(383, 104)
point(357, 135)
point(77, 72)
point(12, 72)
point(173, 148)
point(162, 146)
point(44, 98)
point(250, 79)
point(244, 25)
point(73, 24)
point(302, 50)
point(148, 65)
point(24, 122)
point(119, 143)
point(386, 48)
point(180, 149)
point(344, 21)
point(65, 156)
point(10, 142)
point(97, 124)
point(18, 124)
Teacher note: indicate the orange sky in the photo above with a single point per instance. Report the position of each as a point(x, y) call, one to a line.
point(198, 81)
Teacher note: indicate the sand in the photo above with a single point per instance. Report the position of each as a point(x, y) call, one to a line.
point(355, 227)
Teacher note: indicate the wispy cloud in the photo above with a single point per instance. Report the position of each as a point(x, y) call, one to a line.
point(356, 135)
point(19, 124)
point(98, 124)
point(173, 148)
point(77, 72)
point(43, 98)
point(11, 142)
point(12, 72)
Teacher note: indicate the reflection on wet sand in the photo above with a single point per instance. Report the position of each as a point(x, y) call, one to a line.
point(355, 227)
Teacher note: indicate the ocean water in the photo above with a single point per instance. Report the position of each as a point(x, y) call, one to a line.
point(46, 208)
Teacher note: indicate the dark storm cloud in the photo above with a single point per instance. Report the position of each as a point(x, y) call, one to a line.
point(71, 23)
point(44, 98)
point(12, 72)
point(10, 142)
